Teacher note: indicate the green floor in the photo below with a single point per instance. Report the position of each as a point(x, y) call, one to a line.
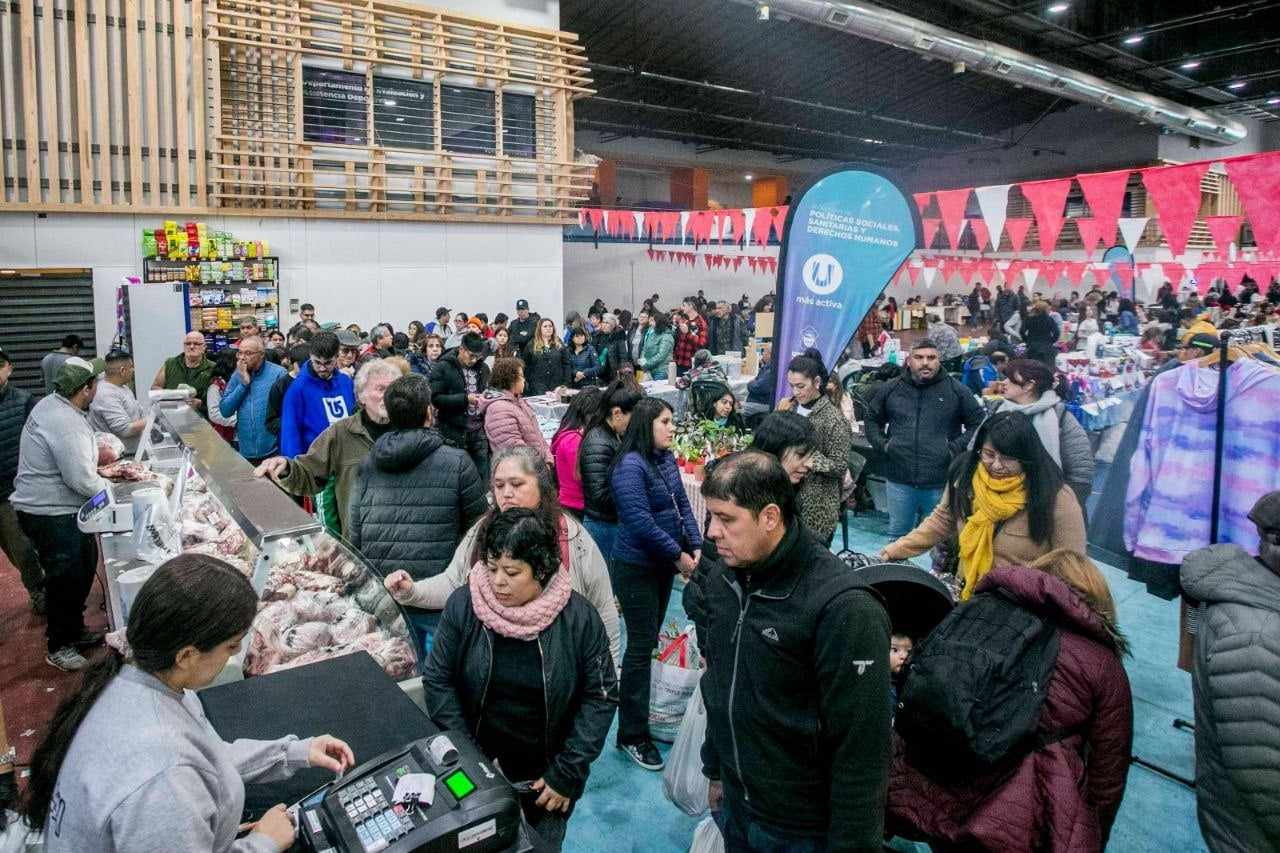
point(624, 808)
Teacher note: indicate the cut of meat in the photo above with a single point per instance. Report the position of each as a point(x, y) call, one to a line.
point(110, 448)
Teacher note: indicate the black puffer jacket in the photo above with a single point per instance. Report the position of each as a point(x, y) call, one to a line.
point(545, 371)
point(15, 405)
point(797, 693)
point(595, 458)
point(921, 426)
point(615, 350)
point(449, 394)
point(413, 500)
point(577, 670)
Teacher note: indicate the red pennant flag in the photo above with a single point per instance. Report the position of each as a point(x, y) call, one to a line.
point(751, 262)
point(1124, 272)
point(1175, 192)
point(1104, 191)
point(1257, 181)
point(1048, 202)
point(1017, 231)
point(700, 226)
point(737, 263)
point(706, 259)
point(1014, 271)
point(987, 270)
point(1173, 272)
point(738, 222)
point(913, 273)
point(773, 262)
point(717, 261)
point(929, 227)
point(671, 225)
point(1234, 274)
point(1052, 272)
point(652, 254)
point(978, 226)
point(1075, 272)
point(761, 225)
point(1090, 234)
point(652, 227)
point(1225, 231)
point(596, 215)
point(922, 201)
point(1101, 275)
point(951, 203)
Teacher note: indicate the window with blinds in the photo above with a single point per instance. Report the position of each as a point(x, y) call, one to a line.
point(468, 124)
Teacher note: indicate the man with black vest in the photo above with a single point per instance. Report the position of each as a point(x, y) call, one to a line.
point(797, 691)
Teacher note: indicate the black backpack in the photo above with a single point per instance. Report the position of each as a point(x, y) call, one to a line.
point(975, 689)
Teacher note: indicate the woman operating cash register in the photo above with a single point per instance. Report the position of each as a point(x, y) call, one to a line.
point(522, 664)
point(130, 762)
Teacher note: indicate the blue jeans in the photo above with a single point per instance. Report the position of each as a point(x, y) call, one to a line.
point(908, 506)
point(744, 834)
point(605, 533)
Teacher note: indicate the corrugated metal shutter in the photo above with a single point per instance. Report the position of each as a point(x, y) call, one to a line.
point(38, 309)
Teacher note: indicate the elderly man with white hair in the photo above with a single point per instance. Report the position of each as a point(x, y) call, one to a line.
point(338, 451)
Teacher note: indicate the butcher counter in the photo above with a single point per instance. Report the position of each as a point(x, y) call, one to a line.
point(320, 599)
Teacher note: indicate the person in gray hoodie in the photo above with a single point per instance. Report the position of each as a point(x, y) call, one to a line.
point(1236, 686)
point(57, 473)
point(130, 762)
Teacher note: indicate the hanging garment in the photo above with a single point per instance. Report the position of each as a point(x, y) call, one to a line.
point(1168, 504)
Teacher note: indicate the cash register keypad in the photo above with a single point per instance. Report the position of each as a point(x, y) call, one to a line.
point(377, 823)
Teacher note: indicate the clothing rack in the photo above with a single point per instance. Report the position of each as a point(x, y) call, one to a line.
point(1219, 437)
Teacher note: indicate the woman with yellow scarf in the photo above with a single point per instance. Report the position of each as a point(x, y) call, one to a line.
point(1005, 500)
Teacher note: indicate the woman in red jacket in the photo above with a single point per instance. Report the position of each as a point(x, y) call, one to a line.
point(1064, 796)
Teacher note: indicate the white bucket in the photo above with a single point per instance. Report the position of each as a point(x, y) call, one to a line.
point(130, 582)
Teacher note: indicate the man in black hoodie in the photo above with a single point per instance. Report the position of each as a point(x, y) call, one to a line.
point(797, 694)
point(414, 496)
point(521, 330)
point(920, 420)
point(458, 382)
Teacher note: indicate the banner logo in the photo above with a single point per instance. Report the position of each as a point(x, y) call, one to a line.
point(823, 274)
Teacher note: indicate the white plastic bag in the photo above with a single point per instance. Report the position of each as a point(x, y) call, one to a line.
point(682, 779)
point(707, 838)
point(673, 679)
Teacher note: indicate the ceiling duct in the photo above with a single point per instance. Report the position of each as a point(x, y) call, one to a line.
point(1013, 66)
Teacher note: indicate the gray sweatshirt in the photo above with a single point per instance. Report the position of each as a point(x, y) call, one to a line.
point(146, 771)
point(114, 409)
point(57, 460)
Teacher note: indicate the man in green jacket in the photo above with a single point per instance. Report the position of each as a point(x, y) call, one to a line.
point(192, 368)
point(338, 451)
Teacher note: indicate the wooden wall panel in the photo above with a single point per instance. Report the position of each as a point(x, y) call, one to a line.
point(195, 107)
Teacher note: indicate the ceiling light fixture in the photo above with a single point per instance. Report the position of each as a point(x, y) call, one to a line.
point(388, 102)
point(748, 177)
point(1271, 102)
point(1058, 8)
point(1239, 84)
point(1190, 65)
point(1136, 38)
point(762, 12)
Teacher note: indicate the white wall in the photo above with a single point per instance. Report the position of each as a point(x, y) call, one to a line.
point(623, 276)
point(353, 271)
point(531, 13)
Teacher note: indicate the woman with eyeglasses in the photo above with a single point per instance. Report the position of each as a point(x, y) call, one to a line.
point(1005, 500)
point(1028, 388)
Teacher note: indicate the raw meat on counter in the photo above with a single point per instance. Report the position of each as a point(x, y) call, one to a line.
point(110, 448)
point(212, 549)
point(135, 472)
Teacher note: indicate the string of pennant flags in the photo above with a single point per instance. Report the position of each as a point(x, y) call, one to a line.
point(1174, 192)
point(756, 263)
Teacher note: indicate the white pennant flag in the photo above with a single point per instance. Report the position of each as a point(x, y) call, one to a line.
point(1131, 230)
point(1030, 274)
point(993, 202)
point(748, 220)
point(639, 215)
point(684, 223)
point(928, 274)
point(604, 222)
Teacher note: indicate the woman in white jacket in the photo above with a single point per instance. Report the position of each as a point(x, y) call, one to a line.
point(521, 478)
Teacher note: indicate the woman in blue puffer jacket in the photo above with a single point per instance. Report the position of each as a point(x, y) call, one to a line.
point(657, 537)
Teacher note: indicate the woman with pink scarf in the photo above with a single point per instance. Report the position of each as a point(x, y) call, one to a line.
point(521, 663)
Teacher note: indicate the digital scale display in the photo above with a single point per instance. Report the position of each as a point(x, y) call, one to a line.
point(97, 502)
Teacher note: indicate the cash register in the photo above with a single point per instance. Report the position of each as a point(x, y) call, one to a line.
point(435, 794)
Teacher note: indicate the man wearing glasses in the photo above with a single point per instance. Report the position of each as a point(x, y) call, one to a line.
point(192, 368)
point(319, 396)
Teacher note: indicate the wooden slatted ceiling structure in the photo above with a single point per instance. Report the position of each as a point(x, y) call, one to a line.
point(191, 107)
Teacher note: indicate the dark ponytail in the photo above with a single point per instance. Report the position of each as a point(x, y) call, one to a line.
point(191, 600)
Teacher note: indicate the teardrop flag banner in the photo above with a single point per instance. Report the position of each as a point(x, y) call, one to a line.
point(844, 240)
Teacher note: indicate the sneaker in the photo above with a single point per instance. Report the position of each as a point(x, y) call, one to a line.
point(89, 639)
point(37, 603)
point(66, 659)
point(644, 753)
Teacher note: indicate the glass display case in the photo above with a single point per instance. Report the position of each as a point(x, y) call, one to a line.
point(320, 599)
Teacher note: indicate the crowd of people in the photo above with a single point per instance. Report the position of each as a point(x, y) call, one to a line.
point(536, 575)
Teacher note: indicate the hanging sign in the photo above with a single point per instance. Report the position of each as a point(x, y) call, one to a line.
point(843, 243)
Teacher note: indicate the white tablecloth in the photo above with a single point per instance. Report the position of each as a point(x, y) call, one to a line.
point(693, 490)
point(674, 396)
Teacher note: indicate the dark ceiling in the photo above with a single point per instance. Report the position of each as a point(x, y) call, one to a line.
point(799, 90)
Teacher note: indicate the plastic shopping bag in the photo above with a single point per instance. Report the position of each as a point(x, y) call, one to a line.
point(673, 679)
point(707, 838)
point(682, 779)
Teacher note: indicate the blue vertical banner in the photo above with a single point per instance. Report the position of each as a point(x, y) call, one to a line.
point(845, 238)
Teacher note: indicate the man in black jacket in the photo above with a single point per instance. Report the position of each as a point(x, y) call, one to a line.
point(523, 327)
point(15, 405)
point(726, 331)
point(920, 420)
point(414, 497)
point(458, 382)
point(797, 695)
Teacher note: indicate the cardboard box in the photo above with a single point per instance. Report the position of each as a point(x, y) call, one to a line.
point(764, 325)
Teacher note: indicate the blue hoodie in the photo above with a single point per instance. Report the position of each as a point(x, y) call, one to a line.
point(310, 405)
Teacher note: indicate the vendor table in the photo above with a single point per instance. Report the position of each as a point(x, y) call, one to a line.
point(693, 491)
point(1108, 412)
point(349, 697)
